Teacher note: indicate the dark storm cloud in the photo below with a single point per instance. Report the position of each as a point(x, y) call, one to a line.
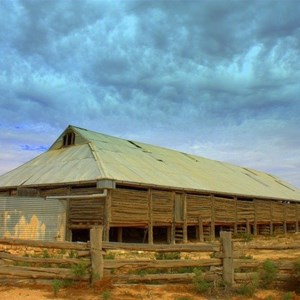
point(217, 78)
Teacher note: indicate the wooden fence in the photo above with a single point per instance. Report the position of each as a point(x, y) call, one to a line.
point(89, 261)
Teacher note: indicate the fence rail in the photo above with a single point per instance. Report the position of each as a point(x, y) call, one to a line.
point(226, 262)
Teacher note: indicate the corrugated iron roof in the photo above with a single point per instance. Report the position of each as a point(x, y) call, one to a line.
point(97, 156)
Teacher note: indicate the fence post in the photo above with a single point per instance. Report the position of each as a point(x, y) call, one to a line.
point(96, 253)
point(228, 270)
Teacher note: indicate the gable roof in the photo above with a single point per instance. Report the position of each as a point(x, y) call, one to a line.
point(96, 156)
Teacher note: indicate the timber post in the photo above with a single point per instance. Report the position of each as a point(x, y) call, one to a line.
point(185, 232)
point(96, 234)
point(107, 218)
point(228, 270)
point(200, 229)
point(235, 228)
point(297, 218)
point(150, 216)
point(212, 222)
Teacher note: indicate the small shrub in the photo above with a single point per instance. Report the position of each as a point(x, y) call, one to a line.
point(45, 254)
point(268, 273)
point(199, 283)
point(56, 286)
point(67, 282)
point(79, 270)
point(288, 296)
point(106, 295)
point(110, 255)
point(167, 255)
point(72, 254)
point(247, 289)
point(297, 269)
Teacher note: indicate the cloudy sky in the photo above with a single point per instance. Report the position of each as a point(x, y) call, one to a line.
point(220, 79)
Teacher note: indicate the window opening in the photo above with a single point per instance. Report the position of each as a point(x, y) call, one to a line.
point(80, 235)
point(69, 139)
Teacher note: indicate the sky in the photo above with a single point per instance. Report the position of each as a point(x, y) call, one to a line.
point(219, 79)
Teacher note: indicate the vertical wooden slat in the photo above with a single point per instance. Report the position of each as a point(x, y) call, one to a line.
point(150, 223)
point(236, 216)
point(284, 223)
point(200, 229)
point(271, 221)
point(255, 218)
point(248, 226)
point(212, 224)
point(297, 218)
point(107, 216)
point(173, 228)
point(120, 235)
point(185, 236)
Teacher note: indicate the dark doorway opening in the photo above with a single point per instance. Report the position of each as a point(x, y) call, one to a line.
point(192, 233)
point(80, 235)
point(134, 235)
point(160, 235)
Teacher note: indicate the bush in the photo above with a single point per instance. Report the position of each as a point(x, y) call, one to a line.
point(199, 283)
point(56, 286)
point(167, 255)
point(288, 296)
point(248, 289)
point(268, 273)
point(106, 295)
point(297, 269)
point(79, 270)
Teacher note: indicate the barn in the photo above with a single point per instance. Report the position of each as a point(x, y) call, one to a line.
point(139, 193)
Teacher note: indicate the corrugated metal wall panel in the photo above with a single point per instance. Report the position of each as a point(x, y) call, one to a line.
point(33, 218)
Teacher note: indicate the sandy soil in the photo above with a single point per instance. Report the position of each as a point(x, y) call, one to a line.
point(137, 292)
point(106, 291)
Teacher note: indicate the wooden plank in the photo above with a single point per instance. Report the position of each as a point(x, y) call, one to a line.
point(144, 264)
point(38, 273)
point(245, 276)
point(43, 244)
point(40, 260)
point(270, 247)
point(203, 247)
point(175, 278)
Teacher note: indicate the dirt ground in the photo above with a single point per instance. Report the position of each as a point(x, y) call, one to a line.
point(137, 292)
point(108, 291)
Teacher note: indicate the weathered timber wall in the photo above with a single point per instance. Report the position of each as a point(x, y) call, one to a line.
point(162, 207)
point(129, 207)
point(224, 210)
point(86, 211)
point(245, 211)
point(198, 205)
